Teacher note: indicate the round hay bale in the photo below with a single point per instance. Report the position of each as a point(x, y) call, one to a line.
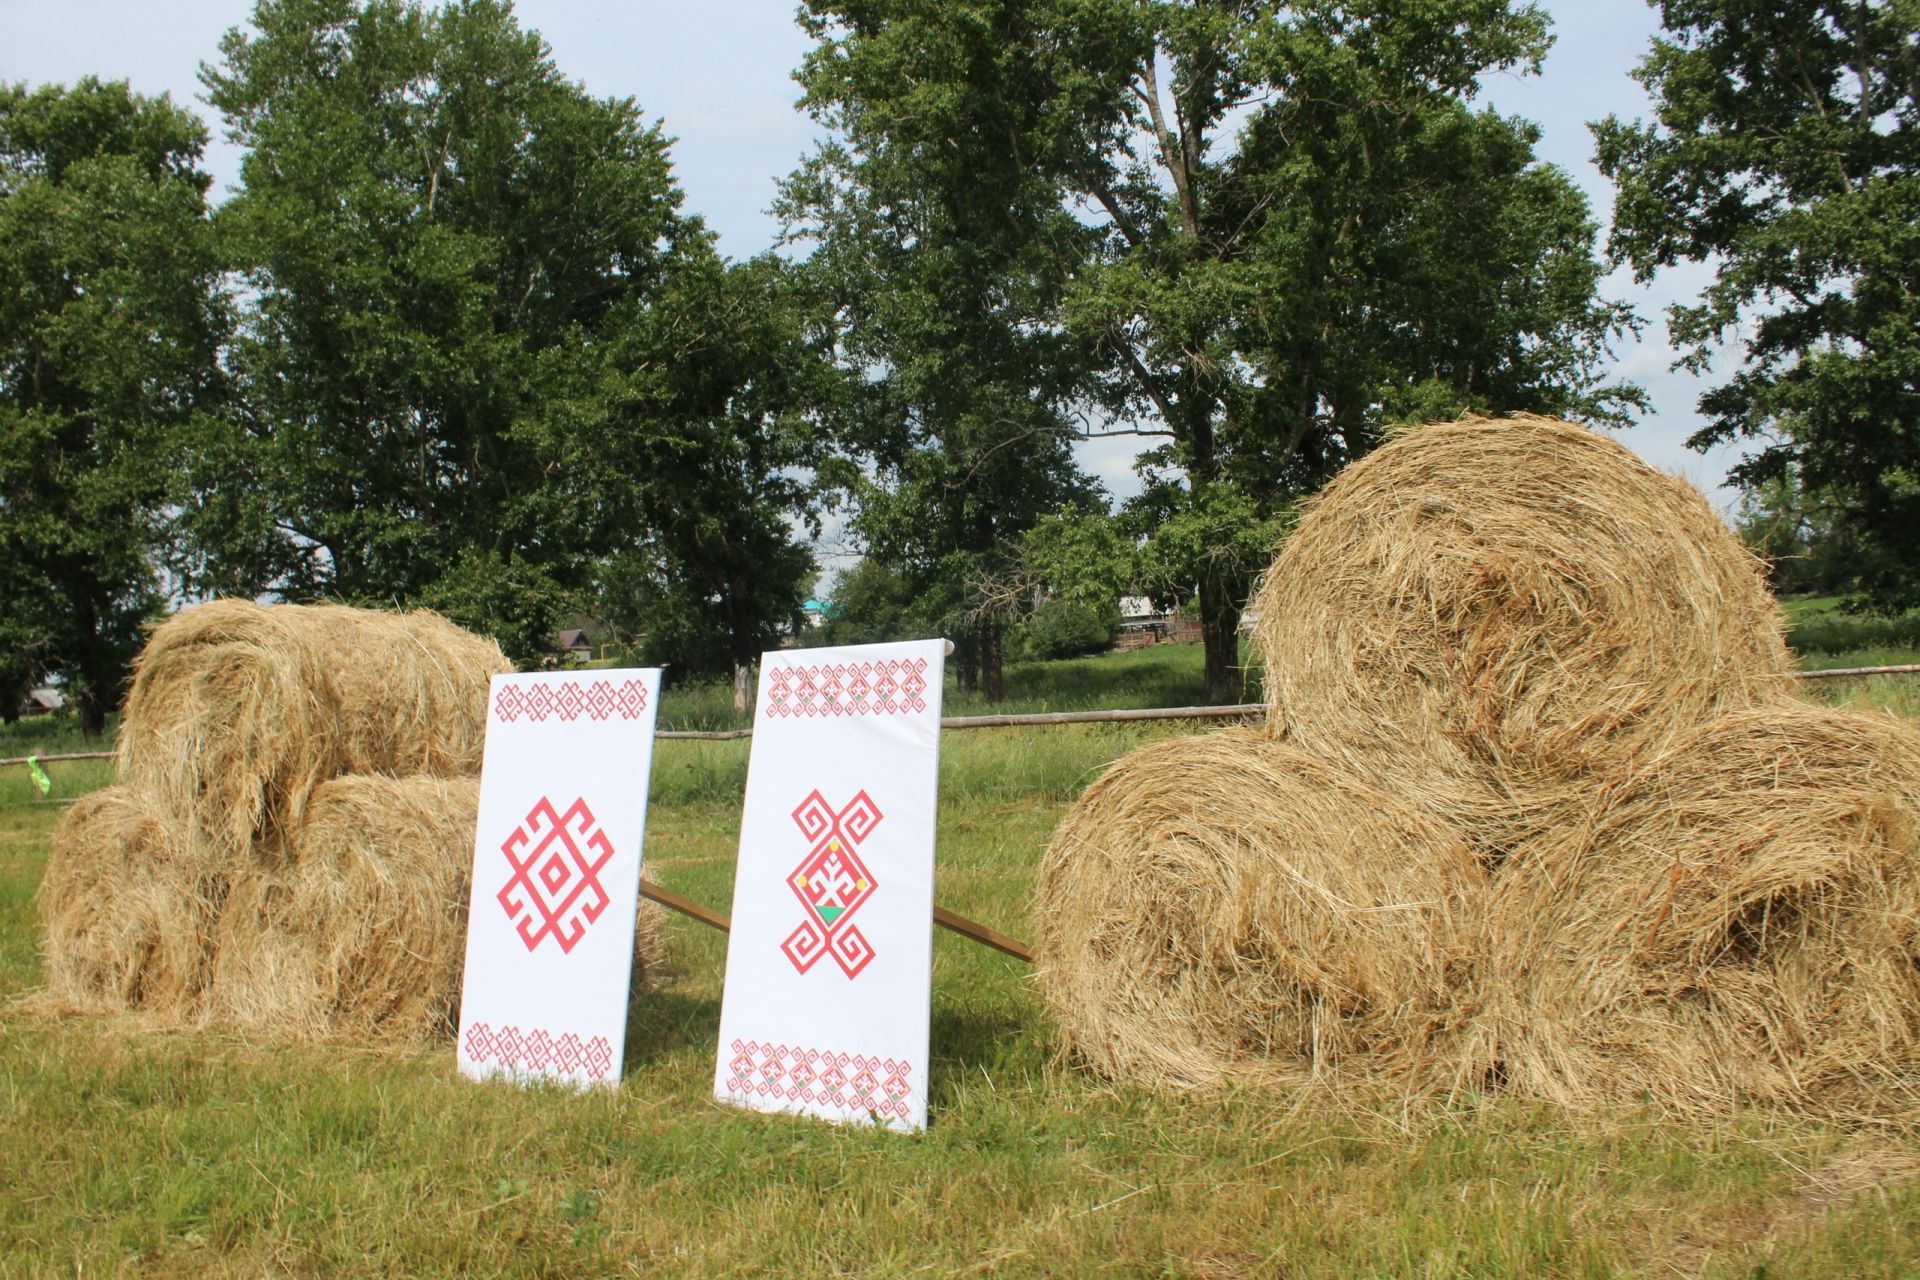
point(126, 923)
point(1738, 918)
point(238, 711)
point(363, 938)
point(1482, 612)
point(1225, 907)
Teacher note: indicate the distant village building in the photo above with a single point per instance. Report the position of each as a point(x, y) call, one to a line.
point(817, 612)
point(573, 647)
point(1141, 625)
point(41, 701)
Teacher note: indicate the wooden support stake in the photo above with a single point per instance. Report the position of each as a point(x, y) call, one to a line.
point(981, 934)
point(685, 906)
point(966, 928)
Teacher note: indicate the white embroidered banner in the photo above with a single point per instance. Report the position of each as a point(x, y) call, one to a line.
point(830, 959)
point(556, 875)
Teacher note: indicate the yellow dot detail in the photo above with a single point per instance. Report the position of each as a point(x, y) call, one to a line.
point(860, 885)
point(801, 880)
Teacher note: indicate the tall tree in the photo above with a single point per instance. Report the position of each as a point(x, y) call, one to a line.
point(1786, 150)
point(937, 253)
point(479, 315)
point(1290, 228)
point(110, 322)
point(717, 573)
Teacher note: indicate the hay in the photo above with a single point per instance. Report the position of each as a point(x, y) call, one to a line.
point(1739, 918)
point(1224, 908)
point(1483, 614)
point(363, 938)
point(126, 922)
point(238, 711)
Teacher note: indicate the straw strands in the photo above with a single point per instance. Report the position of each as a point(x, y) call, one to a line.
point(292, 850)
point(1510, 637)
point(1738, 917)
point(238, 711)
point(1484, 613)
point(364, 935)
point(127, 921)
point(1225, 907)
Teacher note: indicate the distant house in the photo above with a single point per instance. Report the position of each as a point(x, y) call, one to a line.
point(41, 701)
point(573, 646)
point(818, 612)
point(1141, 625)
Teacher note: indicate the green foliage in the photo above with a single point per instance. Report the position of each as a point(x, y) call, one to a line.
point(1786, 151)
point(947, 294)
point(110, 320)
point(487, 354)
point(1798, 533)
point(1267, 230)
point(717, 573)
point(1086, 558)
point(1065, 629)
point(873, 602)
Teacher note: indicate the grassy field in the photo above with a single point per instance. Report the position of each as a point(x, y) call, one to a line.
point(128, 1150)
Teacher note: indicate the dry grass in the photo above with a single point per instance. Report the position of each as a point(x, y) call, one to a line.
point(239, 711)
point(1739, 917)
point(1696, 889)
point(1482, 615)
point(364, 936)
point(292, 849)
point(126, 920)
point(1225, 907)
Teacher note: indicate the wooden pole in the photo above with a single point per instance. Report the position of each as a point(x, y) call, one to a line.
point(71, 755)
point(946, 919)
point(1239, 710)
point(685, 906)
point(982, 934)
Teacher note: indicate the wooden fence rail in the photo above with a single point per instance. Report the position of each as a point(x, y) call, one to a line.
point(1235, 711)
point(973, 929)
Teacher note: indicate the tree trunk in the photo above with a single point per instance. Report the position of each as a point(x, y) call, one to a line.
point(742, 687)
point(92, 713)
point(993, 684)
point(1219, 623)
point(966, 664)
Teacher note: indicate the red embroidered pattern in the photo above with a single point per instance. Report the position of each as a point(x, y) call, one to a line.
point(555, 890)
point(567, 699)
point(832, 883)
point(889, 687)
point(538, 1049)
point(852, 1082)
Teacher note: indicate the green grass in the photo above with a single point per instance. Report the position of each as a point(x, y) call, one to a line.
point(1817, 627)
point(133, 1151)
point(1168, 675)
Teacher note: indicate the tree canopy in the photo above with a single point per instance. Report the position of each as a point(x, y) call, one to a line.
point(1285, 228)
point(484, 337)
point(1785, 149)
point(111, 317)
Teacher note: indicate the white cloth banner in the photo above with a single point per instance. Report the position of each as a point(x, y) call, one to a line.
point(830, 959)
point(556, 875)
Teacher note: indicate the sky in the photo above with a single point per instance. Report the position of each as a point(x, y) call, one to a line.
point(719, 74)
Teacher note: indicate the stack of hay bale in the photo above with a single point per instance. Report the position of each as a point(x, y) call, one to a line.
point(290, 846)
point(1535, 807)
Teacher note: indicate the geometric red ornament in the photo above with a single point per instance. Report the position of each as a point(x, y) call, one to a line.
point(832, 883)
point(555, 890)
